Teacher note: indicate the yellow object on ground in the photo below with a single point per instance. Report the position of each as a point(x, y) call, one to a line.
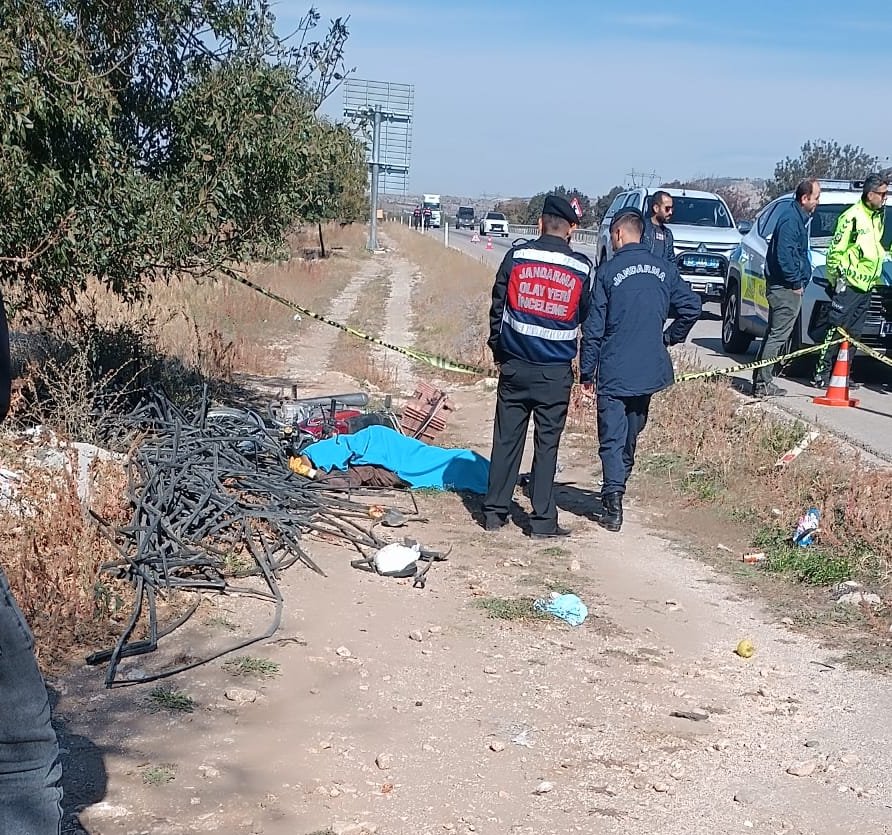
point(745, 648)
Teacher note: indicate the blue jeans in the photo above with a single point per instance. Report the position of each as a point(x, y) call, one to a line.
point(30, 771)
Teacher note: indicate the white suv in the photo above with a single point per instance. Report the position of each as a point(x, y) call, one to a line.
point(704, 232)
point(494, 223)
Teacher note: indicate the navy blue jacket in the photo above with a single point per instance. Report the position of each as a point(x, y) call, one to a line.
point(659, 240)
point(787, 263)
point(623, 342)
point(542, 294)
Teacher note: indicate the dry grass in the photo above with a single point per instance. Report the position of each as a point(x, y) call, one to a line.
point(360, 359)
point(51, 554)
point(84, 373)
point(451, 298)
point(726, 456)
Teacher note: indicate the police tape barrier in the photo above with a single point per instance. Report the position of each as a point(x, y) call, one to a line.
point(434, 360)
point(865, 349)
point(752, 366)
point(446, 364)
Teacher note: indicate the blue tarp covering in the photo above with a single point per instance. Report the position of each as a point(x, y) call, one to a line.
point(416, 463)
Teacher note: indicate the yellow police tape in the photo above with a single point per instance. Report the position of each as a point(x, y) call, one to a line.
point(443, 363)
point(446, 364)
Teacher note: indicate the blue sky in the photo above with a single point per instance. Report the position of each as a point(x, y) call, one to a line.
point(597, 89)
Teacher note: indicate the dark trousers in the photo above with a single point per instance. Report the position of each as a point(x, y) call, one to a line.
point(783, 308)
point(620, 421)
point(848, 310)
point(30, 796)
point(542, 391)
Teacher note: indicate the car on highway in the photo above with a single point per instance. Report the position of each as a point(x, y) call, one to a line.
point(494, 223)
point(704, 231)
point(745, 306)
point(464, 218)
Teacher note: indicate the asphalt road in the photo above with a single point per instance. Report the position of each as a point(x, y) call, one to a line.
point(869, 426)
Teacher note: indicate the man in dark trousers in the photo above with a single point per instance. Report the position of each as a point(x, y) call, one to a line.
point(29, 767)
point(787, 271)
point(624, 348)
point(657, 235)
point(541, 296)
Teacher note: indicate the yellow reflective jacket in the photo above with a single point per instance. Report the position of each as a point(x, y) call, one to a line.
point(856, 250)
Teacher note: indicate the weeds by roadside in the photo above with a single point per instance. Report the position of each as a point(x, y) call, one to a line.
point(507, 608)
point(245, 665)
point(166, 698)
point(716, 448)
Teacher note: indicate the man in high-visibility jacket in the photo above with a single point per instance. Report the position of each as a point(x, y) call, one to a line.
point(854, 268)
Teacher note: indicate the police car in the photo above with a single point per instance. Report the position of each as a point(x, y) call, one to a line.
point(745, 306)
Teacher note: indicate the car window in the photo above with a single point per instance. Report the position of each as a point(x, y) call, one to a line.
point(632, 200)
point(614, 206)
point(768, 219)
point(700, 211)
point(823, 222)
point(495, 216)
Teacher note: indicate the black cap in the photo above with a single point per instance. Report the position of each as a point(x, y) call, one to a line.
point(560, 207)
point(627, 210)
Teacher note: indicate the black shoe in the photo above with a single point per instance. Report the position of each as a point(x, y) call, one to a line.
point(612, 517)
point(494, 523)
point(768, 390)
point(819, 382)
point(555, 534)
point(853, 385)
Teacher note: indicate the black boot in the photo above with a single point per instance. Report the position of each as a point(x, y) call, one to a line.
point(612, 516)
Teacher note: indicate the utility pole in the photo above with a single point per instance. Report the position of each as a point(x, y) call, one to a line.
point(375, 165)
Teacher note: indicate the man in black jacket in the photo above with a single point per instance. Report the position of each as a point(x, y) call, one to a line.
point(29, 766)
point(624, 348)
point(541, 295)
point(657, 235)
point(787, 271)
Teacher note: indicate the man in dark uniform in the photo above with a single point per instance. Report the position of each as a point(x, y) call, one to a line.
point(624, 348)
point(657, 235)
point(541, 296)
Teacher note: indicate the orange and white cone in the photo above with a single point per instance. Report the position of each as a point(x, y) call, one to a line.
point(489, 242)
point(838, 390)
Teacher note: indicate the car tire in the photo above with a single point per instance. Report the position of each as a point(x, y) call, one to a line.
point(734, 340)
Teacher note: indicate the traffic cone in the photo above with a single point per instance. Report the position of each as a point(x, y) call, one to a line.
point(489, 242)
point(838, 390)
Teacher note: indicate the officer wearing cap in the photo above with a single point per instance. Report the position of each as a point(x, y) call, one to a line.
point(624, 348)
point(541, 296)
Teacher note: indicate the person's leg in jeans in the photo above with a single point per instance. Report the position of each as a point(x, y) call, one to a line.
point(783, 308)
point(30, 795)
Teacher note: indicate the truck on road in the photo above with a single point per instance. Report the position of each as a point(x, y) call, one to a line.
point(432, 202)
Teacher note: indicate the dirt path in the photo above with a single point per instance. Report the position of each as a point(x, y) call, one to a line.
point(397, 330)
point(411, 712)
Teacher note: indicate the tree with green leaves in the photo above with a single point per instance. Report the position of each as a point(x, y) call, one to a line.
point(534, 207)
point(144, 140)
point(821, 158)
point(602, 204)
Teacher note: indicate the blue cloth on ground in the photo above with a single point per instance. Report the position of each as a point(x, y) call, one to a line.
point(567, 607)
point(414, 461)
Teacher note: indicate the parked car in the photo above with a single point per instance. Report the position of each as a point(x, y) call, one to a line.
point(745, 306)
point(464, 218)
point(704, 232)
point(494, 223)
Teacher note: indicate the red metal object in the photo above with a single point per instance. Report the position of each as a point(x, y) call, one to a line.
point(321, 426)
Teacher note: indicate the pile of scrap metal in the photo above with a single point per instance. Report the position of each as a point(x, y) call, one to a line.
point(210, 487)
